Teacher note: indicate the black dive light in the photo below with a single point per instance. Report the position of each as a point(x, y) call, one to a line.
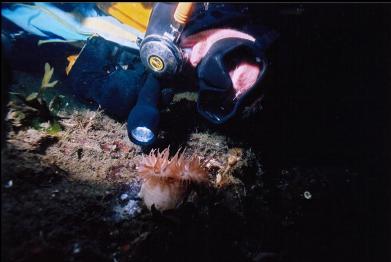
point(143, 119)
point(160, 54)
point(159, 51)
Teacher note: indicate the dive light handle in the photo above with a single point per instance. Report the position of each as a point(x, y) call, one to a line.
point(144, 118)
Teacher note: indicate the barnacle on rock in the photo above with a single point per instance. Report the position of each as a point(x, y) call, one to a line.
point(166, 181)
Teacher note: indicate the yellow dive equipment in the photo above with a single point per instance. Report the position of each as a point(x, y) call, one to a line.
point(159, 49)
point(134, 14)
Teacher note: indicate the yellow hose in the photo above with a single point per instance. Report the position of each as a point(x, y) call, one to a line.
point(183, 12)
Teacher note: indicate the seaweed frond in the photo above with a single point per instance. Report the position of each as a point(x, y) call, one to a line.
point(32, 110)
point(47, 77)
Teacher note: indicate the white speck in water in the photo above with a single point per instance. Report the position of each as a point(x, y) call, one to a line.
point(76, 248)
point(114, 256)
point(124, 196)
point(307, 195)
point(131, 209)
point(284, 172)
point(9, 184)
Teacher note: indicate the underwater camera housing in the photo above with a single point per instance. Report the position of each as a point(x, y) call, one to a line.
point(159, 51)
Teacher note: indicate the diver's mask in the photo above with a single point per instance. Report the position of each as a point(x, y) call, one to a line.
point(159, 49)
point(218, 101)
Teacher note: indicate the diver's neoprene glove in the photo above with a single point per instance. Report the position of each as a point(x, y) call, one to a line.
point(113, 77)
point(108, 75)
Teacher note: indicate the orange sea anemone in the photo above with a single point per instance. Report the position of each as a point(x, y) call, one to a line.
point(166, 181)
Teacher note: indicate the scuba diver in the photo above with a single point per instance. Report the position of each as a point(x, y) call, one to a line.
point(217, 49)
point(214, 45)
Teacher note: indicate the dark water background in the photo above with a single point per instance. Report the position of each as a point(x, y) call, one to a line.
point(326, 109)
point(329, 106)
